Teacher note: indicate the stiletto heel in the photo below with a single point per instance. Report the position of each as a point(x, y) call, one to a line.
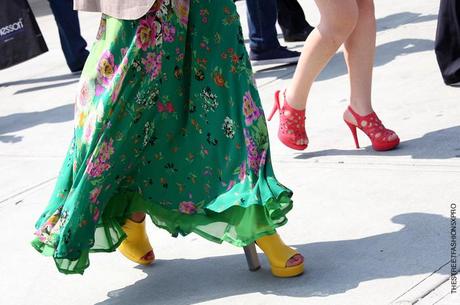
point(276, 106)
point(278, 255)
point(136, 245)
point(354, 133)
point(382, 138)
point(291, 131)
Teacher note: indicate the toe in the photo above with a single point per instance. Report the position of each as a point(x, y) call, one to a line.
point(295, 260)
point(393, 137)
point(149, 256)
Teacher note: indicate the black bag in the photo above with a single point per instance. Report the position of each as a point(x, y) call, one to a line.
point(20, 36)
point(447, 44)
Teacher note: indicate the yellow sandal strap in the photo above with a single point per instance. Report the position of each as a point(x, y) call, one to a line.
point(276, 250)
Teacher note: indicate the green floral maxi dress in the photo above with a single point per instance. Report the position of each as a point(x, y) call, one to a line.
point(167, 121)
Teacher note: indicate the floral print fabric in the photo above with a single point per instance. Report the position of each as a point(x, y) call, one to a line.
point(167, 121)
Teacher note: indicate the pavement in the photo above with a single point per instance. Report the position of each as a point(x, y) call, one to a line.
point(374, 227)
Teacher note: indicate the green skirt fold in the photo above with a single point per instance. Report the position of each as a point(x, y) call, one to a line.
point(167, 121)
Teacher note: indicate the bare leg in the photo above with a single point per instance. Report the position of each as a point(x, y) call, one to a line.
point(359, 55)
point(338, 20)
point(137, 216)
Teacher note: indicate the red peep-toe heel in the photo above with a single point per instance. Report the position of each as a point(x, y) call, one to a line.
point(382, 138)
point(291, 131)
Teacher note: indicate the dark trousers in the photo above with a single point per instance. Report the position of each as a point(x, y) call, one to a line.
point(262, 16)
point(291, 17)
point(72, 43)
point(447, 44)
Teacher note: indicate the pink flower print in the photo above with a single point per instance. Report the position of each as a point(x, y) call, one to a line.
point(96, 169)
point(161, 107)
point(152, 64)
point(254, 162)
point(94, 194)
point(253, 155)
point(250, 110)
point(204, 13)
point(98, 164)
point(116, 90)
point(119, 83)
point(105, 71)
point(187, 207)
point(102, 29)
point(93, 169)
point(148, 61)
point(181, 7)
point(169, 32)
point(96, 215)
point(106, 67)
point(146, 32)
point(124, 51)
point(263, 158)
point(83, 97)
point(44, 233)
point(169, 107)
point(230, 185)
point(99, 89)
point(89, 129)
point(242, 174)
point(106, 151)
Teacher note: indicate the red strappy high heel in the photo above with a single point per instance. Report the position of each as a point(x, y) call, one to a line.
point(292, 124)
point(372, 126)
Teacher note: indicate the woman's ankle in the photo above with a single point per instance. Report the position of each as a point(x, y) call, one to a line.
point(361, 106)
point(137, 217)
point(292, 101)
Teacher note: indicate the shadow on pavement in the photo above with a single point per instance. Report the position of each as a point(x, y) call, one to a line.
point(66, 79)
point(439, 144)
point(40, 7)
point(11, 139)
point(385, 53)
point(75, 76)
point(332, 267)
point(20, 121)
point(403, 18)
point(37, 88)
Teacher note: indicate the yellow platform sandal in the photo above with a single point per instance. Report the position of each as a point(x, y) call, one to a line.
point(136, 247)
point(278, 255)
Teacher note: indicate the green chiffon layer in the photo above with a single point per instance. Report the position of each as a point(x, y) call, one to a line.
point(167, 121)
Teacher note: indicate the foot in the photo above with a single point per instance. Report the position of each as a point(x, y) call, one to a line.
point(136, 247)
point(150, 256)
point(382, 138)
point(284, 261)
point(291, 131)
point(295, 260)
point(280, 55)
point(139, 217)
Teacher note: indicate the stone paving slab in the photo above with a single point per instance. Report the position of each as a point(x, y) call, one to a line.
point(373, 227)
